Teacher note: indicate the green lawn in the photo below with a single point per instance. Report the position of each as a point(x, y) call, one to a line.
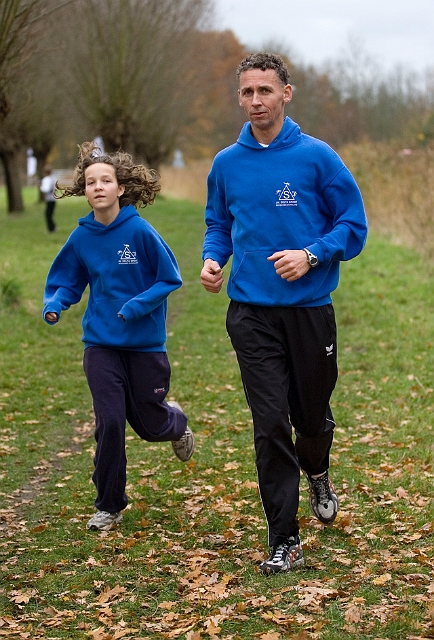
point(184, 562)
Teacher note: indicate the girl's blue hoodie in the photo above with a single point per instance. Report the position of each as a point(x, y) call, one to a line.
point(130, 271)
point(294, 194)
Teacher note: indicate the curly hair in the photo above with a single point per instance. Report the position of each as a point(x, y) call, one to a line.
point(141, 183)
point(264, 61)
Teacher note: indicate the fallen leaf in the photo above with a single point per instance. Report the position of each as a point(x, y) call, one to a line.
point(101, 634)
point(353, 614)
point(382, 579)
point(110, 594)
point(20, 598)
point(166, 605)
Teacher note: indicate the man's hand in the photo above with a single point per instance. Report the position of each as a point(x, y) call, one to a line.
point(290, 264)
point(211, 276)
point(51, 316)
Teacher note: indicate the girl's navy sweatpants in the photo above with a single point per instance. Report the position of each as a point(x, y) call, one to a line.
point(127, 386)
point(288, 363)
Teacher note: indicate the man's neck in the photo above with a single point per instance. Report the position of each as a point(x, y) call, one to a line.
point(266, 136)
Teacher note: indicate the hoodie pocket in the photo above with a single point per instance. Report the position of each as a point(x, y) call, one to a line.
point(256, 281)
point(103, 326)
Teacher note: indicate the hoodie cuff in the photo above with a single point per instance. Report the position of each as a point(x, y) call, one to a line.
point(48, 310)
point(125, 314)
point(317, 251)
point(208, 256)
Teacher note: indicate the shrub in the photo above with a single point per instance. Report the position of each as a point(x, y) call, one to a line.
point(10, 292)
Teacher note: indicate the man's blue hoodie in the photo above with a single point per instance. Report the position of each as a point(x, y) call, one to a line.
point(130, 271)
point(294, 194)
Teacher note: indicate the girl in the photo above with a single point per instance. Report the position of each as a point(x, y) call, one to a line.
point(130, 271)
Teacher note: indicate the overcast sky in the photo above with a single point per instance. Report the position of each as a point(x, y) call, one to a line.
point(391, 31)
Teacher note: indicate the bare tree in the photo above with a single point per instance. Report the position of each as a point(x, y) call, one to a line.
point(372, 105)
point(214, 115)
point(351, 99)
point(20, 23)
point(22, 26)
point(134, 70)
point(15, 17)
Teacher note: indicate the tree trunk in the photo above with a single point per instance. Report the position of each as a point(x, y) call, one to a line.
point(13, 183)
point(5, 107)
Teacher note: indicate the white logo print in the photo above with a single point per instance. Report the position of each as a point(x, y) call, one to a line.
point(329, 350)
point(286, 196)
point(127, 256)
point(160, 390)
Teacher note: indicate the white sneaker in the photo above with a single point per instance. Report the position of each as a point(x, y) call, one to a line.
point(184, 447)
point(104, 521)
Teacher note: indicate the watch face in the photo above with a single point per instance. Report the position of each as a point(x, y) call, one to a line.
point(311, 258)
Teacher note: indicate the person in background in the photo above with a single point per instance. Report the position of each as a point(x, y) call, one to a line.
point(47, 187)
point(288, 210)
point(130, 271)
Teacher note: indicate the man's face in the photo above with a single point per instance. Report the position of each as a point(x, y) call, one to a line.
point(263, 97)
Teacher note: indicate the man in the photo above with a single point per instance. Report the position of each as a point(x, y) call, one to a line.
point(288, 210)
point(47, 187)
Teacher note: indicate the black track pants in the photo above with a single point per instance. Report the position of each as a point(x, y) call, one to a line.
point(49, 213)
point(288, 363)
point(127, 385)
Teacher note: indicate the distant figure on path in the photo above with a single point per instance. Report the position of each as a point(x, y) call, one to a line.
point(47, 187)
point(287, 209)
point(32, 165)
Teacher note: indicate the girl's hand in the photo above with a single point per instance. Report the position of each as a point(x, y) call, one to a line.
point(51, 316)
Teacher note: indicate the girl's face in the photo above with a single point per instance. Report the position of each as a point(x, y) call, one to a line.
point(102, 190)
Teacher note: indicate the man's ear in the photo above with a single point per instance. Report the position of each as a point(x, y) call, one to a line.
point(287, 94)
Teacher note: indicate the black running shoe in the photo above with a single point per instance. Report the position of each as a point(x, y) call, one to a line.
point(284, 557)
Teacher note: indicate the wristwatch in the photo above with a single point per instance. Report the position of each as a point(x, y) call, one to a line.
point(311, 258)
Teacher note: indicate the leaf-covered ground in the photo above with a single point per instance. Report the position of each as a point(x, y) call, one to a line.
point(184, 562)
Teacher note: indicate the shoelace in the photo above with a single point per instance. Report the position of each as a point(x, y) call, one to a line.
point(322, 489)
point(101, 515)
point(179, 444)
point(279, 552)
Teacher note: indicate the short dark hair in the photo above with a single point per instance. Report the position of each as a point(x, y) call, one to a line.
point(264, 61)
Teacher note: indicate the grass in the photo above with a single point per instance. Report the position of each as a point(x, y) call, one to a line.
point(184, 562)
point(398, 188)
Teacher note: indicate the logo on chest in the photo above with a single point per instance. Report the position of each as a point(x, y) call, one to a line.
point(286, 197)
point(126, 256)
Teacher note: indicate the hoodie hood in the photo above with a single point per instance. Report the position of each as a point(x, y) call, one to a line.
point(289, 134)
point(94, 226)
